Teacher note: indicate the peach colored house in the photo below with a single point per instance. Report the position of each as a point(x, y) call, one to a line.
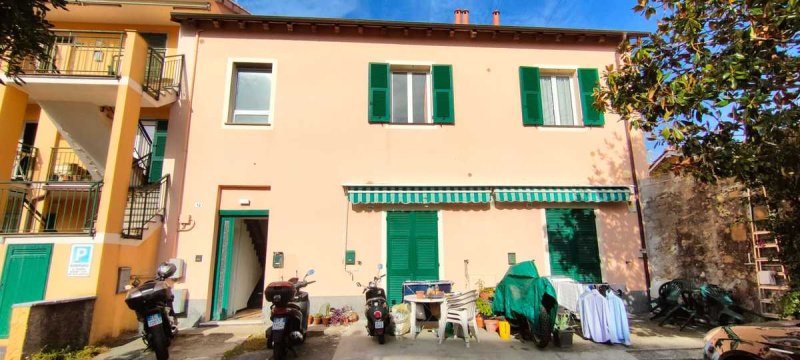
point(444, 151)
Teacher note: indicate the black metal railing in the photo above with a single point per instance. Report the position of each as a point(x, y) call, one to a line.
point(140, 172)
point(65, 165)
point(143, 144)
point(44, 207)
point(81, 53)
point(162, 73)
point(144, 204)
point(24, 162)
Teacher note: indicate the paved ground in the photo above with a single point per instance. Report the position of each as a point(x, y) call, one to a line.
point(650, 342)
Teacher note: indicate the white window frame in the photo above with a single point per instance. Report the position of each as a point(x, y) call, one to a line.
point(554, 94)
point(228, 108)
point(409, 70)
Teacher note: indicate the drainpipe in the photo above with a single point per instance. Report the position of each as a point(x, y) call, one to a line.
point(190, 104)
point(636, 196)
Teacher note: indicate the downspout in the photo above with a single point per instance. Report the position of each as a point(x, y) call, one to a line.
point(636, 195)
point(189, 111)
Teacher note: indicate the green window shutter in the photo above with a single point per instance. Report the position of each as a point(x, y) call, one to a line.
point(398, 254)
point(589, 79)
point(426, 249)
point(379, 93)
point(443, 111)
point(412, 250)
point(531, 91)
point(572, 238)
point(157, 152)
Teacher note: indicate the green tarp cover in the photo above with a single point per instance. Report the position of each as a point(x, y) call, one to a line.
point(521, 292)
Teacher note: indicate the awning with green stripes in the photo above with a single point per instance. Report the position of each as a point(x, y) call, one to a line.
point(418, 195)
point(560, 194)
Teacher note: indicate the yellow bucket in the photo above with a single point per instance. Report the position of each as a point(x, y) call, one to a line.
point(504, 328)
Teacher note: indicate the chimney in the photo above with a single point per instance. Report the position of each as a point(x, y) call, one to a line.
point(457, 16)
point(496, 17)
point(465, 16)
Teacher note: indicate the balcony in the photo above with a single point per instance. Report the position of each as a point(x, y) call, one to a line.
point(86, 66)
point(31, 207)
point(65, 165)
point(81, 53)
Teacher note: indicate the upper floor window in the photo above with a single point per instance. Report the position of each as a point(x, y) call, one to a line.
point(251, 94)
point(558, 101)
point(549, 97)
point(410, 94)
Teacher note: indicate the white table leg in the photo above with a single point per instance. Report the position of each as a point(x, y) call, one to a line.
point(414, 320)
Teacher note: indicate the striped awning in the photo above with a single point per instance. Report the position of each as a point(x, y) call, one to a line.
point(558, 194)
point(418, 195)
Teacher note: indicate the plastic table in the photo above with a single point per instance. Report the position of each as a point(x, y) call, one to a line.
point(415, 301)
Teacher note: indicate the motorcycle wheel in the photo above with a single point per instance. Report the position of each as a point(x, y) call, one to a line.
point(381, 338)
point(159, 342)
point(279, 350)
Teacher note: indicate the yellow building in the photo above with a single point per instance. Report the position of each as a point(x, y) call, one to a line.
point(83, 183)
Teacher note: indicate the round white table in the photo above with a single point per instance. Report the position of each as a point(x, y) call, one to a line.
point(415, 301)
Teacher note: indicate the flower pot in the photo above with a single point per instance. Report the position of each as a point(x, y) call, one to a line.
point(479, 320)
point(326, 320)
point(491, 325)
point(563, 338)
point(310, 320)
point(317, 320)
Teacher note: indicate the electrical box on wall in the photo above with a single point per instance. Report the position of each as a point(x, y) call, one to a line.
point(277, 259)
point(180, 266)
point(512, 258)
point(350, 257)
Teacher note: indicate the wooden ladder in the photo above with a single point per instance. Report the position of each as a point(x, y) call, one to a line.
point(766, 254)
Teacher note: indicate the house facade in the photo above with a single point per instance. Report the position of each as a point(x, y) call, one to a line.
point(82, 139)
point(443, 151)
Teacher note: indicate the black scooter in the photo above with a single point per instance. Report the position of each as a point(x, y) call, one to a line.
point(289, 315)
point(377, 310)
point(152, 302)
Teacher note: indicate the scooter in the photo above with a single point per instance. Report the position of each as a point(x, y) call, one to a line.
point(289, 315)
point(377, 311)
point(152, 302)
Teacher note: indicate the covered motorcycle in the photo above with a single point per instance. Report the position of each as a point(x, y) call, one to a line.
point(527, 301)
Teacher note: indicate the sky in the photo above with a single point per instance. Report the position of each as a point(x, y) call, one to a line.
point(585, 14)
point(582, 14)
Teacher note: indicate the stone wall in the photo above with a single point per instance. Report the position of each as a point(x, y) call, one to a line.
point(699, 232)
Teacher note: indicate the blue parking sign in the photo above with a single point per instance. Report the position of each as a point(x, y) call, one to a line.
point(80, 260)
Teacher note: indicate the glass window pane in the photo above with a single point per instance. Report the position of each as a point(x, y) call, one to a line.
point(250, 119)
point(548, 106)
point(564, 100)
point(399, 97)
point(418, 97)
point(253, 89)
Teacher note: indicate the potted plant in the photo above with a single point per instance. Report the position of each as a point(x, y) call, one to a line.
point(317, 319)
point(486, 293)
point(563, 330)
point(484, 309)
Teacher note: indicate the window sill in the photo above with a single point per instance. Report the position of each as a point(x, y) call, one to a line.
point(249, 126)
point(412, 126)
point(573, 128)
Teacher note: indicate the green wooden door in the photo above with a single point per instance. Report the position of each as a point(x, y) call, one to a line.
point(157, 152)
point(412, 250)
point(24, 278)
point(572, 238)
point(222, 274)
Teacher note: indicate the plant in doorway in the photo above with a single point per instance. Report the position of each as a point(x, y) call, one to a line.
point(563, 330)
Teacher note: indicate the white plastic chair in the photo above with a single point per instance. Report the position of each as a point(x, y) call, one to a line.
point(460, 310)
